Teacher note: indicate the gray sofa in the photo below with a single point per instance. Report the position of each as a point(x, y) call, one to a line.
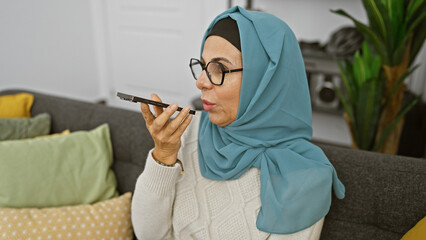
point(385, 194)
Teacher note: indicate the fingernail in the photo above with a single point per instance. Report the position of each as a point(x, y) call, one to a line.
point(186, 109)
point(174, 107)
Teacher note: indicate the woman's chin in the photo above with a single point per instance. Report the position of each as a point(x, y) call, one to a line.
point(214, 118)
point(219, 119)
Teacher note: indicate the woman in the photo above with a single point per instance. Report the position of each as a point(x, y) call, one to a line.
point(250, 170)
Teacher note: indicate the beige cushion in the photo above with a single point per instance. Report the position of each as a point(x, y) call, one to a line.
point(108, 219)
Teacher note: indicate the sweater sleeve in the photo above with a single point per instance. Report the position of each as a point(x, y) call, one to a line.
point(311, 233)
point(153, 199)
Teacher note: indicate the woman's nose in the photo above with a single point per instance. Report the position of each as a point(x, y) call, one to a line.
point(203, 81)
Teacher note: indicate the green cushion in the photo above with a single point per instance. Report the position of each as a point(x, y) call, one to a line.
point(57, 171)
point(19, 128)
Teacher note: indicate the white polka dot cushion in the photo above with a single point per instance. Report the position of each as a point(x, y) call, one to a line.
point(108, 219)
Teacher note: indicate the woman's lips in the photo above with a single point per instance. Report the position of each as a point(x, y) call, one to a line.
point(207, 106)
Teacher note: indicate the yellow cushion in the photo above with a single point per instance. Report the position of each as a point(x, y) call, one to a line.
point(417, 232)
point(108, 219)
point(65, 132)
point(16, 106)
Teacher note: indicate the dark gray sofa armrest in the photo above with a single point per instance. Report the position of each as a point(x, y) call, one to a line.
point(130, 138)
point(385, 195)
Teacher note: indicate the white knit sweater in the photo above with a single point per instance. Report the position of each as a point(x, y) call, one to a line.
point(170, 205)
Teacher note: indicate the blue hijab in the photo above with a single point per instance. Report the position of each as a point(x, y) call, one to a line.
point(272, 130)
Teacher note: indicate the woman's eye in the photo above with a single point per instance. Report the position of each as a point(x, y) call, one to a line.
point(215, 68)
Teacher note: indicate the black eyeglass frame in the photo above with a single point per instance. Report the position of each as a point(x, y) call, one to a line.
point(208, 74)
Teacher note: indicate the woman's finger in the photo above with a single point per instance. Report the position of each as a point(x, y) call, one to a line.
point(181, 129)
point(147, 114)
point(162, 120)
point(175, 123)
point(158, 110)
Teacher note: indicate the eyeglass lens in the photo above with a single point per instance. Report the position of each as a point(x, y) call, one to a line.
point(214, 71)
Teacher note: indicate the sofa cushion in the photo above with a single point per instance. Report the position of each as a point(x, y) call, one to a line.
point(108, 219)
point(417, 232)
point(16, 105)
point(19, 128)
point(57, 171)
point(130, 138)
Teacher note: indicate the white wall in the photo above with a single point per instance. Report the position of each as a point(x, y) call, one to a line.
point(312, 20)
point(48, 46)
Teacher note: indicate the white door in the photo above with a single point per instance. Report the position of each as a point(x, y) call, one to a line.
point(148, 45)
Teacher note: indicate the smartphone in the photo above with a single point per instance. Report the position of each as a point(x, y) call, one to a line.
point(131, 98)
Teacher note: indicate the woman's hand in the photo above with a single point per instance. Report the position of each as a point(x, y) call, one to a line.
point(166, 133)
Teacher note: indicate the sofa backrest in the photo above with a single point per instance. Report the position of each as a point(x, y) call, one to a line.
point(385, 195)
point(130, 138)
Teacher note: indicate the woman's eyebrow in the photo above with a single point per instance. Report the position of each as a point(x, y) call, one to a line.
point(217, 59)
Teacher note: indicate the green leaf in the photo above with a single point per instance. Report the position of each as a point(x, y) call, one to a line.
point(368, 110)
point(419, 36)
point(418, 30)
point(359, 69)
point(376, 66)
point(416, 33)
point(347, 82)
point(366, 57)
point(396, 15)
point(388, 130)
point(388, 34)
point(420, 20)
point(413, 8)
point(395, 11)
point(351, 78)
point(399, 52)
point(371, 63)
point(349, 110)
point(375, 17)
point(366, 53)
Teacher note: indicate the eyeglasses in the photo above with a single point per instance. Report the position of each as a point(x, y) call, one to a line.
point(215, 71)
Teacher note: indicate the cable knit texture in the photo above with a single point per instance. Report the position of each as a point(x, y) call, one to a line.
point(168, 205)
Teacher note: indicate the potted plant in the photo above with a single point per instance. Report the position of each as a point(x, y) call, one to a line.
point(396, 31)
point(363, 101)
